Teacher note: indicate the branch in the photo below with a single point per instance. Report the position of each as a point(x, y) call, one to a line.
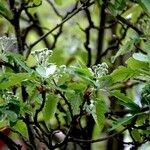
point(66, 101)
point(43, 92)
point(71, 139)
point(82, 7)
point(129, 24)
point(101, 32)
point(87, 32)
point(54, 8)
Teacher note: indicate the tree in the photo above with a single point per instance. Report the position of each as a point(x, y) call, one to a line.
point(74, 74)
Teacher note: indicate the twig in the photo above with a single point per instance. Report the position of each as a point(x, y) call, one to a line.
point(100, 39)
point(71, 139)
point(87, 32)
point(41, 106)
point(54, 8)
point(129, 24)
point(82, 7)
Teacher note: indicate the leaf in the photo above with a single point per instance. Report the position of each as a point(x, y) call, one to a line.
point(12, 116)
point(122, 74)
point(74, 99)
point(132, 38)
point(78, 86)
point(50, 106)
point(21, 128)
point(145, 4)
point(101, 109)
point(37, 2)
point(58, 2)
point(127, 47)
point(121, 121)
point(20, 61)
point(134, 64)
point(120, 4)
point(4, 11)
point(82, 71)
point(99, 2)
point(141, 57)
point(14, 79)
point(136, 135)
point(126, 101)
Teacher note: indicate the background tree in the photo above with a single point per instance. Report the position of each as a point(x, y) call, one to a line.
point(74, 74)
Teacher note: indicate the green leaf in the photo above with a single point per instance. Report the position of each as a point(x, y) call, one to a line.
point(127, 47)
point(147, 132)
point(120, 4)
point(12, 116)
point(58, 2)
point(136, 135)
point(21, 128)
point(126, 101)
point(122, 73)
point(74, 99)
point(145, 4)
point(20, 61)
point(14, 79)
point(99, 2)
point(121, 121)
point(77, 86)
point(37, 2)
point(14, 105)
point(50, 107)
point(134, 64)
point(145, 95)
point(83, 71)
point(4, 11)
point(101, 109)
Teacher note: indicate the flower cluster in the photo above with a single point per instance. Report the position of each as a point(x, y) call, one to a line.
point(100, 70)
point(8, 44)
point(42, 56)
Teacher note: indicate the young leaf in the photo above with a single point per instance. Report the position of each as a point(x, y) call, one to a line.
point(136, 135)
point(127, 47)
point(121, 121)
point(74, 99)
point(58, 2)
point(122, 74)
point(37, 2)
point(101, 109)
point(20, 61)
point(4, 11)
point(126, 101)
point(145, 4)
point(21, 127)
point(14, 79)
point(50, 106)
point(12, 116)
point(134, 64)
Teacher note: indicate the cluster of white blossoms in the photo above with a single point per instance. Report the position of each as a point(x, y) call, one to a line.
point(44, 68)
point(42, 56)
point(100, 70)
point(8, 95)
point(8, 44)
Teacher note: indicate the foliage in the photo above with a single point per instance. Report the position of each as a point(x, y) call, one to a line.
point(57, 85)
